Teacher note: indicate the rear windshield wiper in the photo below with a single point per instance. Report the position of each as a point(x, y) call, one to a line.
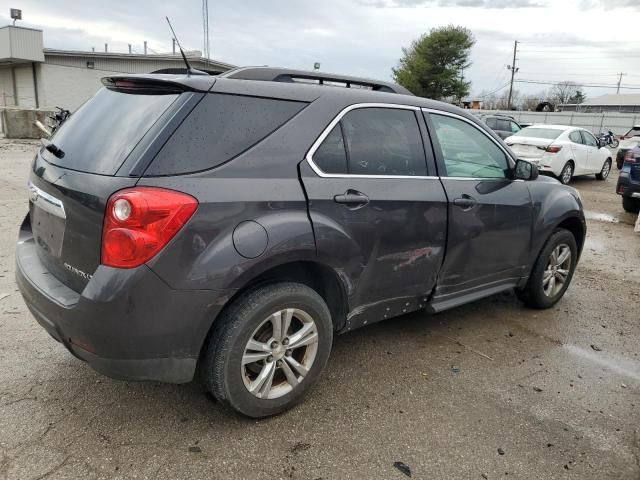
point(52, 147)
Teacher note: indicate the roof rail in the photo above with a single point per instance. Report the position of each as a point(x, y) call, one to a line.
point(269, 74)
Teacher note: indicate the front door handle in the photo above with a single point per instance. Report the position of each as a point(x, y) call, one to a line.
point(352, 198)
point(466, 202)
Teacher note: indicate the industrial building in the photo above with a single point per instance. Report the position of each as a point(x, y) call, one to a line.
point(32, 76)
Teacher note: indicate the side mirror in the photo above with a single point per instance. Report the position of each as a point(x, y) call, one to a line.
point(526, 170)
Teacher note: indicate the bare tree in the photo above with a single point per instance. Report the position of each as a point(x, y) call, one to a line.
point(562, 92)
point(530, 102)
point(503, 100)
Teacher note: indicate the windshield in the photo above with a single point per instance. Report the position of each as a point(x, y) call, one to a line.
point(103, 132)
point(537, 132)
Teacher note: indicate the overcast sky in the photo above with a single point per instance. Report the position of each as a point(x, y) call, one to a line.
point(588, 41)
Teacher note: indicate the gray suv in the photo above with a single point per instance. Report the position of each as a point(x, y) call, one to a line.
point(230, 226)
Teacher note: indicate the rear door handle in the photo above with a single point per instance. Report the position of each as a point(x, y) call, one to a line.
point(465, 202)
point(352, 198)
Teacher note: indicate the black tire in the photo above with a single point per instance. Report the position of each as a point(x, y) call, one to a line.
point(619, 160)
point(606, 169)
point(563, 177)
point(631, 205)
point(533, 294)
point(615, 143)
point(222, 370)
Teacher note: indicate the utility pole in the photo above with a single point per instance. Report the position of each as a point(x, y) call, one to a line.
point(620, 82)
point(514, 70)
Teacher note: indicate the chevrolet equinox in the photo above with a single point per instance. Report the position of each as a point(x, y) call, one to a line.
point(231, 225)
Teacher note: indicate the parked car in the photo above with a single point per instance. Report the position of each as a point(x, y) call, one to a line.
point(562, 151)
point(232, 225)
point(629, 181)
point(503, 125)
point(628, 141)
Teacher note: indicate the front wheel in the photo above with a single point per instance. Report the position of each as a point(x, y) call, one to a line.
point(604, 173)
point(614, 143)
point(566, 174)
point(268, 348)
point(552, 272)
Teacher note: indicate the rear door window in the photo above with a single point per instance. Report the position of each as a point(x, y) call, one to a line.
point(103, 132)
point(374, 141)
point(331, 157)
point(384, 141)
point(220, 128)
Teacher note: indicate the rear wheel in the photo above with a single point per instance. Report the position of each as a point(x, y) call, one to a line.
point(566, 174)
point(631, 205)
point(604, 173)
point(268, 348)
point(552, 272)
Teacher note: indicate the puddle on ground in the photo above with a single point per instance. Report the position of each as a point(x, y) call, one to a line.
point(600, 217)
point(616, 363)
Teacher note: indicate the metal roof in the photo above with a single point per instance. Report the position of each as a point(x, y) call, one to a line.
point(622, 99)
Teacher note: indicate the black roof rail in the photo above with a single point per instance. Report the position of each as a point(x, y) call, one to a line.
point(270, 74)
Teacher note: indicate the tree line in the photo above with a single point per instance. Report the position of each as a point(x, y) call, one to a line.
point(433, 67)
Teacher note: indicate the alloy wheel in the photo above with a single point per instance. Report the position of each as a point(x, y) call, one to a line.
point(606, 169)
point(557, 271)
point(567, 173)
point(280, 353)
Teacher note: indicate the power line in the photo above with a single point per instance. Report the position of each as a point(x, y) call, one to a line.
point(540, 82)
point(496, 90)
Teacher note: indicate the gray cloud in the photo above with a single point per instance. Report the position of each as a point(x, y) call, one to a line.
point(498, 4)
point(609, 4)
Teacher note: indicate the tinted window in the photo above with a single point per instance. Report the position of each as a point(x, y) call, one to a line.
point(538, 132)
point(515, 128)
point(220, 128)
point(575, 137)
point(504, 125)
point(331, 157)
point(589, 139)
point(492, 123)
point(103, 132)
point(383, 141)
point(467, 151)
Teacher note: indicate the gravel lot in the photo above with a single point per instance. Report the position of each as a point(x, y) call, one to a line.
point(559, 398)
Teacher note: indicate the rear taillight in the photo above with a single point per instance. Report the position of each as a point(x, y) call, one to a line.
point(553, 148)
point(139, 221)
point(629, 157)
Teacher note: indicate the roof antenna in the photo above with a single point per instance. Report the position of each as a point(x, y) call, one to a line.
point(190, 71)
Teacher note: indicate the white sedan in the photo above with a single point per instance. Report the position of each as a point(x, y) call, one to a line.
point(561, 150)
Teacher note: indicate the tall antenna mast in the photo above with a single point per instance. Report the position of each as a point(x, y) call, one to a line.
point(190, 71)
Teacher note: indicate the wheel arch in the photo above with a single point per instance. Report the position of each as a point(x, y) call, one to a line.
point(317, 276)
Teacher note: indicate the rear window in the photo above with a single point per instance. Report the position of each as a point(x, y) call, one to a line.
point(537, 132)
point(103, 132)
point(220, 128)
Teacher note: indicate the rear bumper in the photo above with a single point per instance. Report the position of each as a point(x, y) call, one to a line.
point(627, 187)
point(127, 324)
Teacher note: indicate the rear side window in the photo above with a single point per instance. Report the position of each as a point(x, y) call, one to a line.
point(492, 123)
point(575, 137)
point(220, 128)
point(103, 132)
